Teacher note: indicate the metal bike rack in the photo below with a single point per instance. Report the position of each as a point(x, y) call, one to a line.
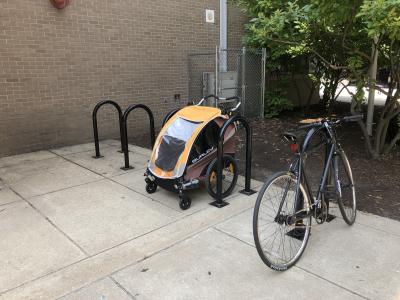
point(95, 129)
point(219, 202)
point(125, 130)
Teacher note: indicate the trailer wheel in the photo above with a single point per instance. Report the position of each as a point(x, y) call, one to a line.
point(184, 202)
point(229, 176)
point(151, 187)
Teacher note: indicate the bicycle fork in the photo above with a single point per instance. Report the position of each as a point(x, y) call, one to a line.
point(336, 174)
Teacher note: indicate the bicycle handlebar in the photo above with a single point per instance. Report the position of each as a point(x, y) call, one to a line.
point(205, 98)
point(211, 96)
point(218, 98)
point(315, 124)
point(233, 98)
point(354, 118)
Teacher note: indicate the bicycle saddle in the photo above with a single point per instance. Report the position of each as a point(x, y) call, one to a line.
point(290, 136)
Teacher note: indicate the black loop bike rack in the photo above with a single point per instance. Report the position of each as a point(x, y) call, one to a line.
point(169, 116)
point(219, 202)
point(95, 129)
point(125, 130)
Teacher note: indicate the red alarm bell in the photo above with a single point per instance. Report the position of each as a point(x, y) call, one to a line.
point(60, 4)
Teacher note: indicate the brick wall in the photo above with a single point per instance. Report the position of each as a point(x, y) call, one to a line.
point(55, 65)
point(236, 28)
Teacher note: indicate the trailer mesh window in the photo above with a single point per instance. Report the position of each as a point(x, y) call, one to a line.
point(173, 143)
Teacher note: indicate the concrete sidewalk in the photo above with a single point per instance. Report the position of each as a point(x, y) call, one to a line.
point(74, 227)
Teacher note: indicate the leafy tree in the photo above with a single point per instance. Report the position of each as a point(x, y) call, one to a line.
point(337, 35)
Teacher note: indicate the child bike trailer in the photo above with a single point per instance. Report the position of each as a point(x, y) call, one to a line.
point(185, 154)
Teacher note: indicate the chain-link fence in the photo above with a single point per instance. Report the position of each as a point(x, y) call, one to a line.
point(201, 71)
point(253, 70)
point(227, 73)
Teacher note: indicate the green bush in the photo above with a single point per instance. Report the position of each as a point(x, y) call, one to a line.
point(275, 103)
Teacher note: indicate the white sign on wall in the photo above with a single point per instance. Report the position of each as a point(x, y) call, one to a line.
point(210, 16)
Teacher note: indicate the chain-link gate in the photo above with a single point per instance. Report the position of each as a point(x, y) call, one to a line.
point(227, 73)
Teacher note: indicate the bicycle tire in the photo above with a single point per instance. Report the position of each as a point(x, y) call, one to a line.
point(230, 167)
point(258, 228)
point(347, 196)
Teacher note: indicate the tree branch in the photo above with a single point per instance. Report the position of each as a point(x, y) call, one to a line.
point(334, 67)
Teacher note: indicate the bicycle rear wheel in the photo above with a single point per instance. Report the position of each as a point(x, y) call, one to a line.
point(346, 190)
point(279, 243)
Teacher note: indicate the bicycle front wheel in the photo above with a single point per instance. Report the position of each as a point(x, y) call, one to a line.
point(345, 186)
point(280, 242)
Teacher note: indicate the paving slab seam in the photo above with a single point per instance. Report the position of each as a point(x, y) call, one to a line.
point(79, 289)
point(153, 199)
point(178, 241)
point(112, 180)
point(86, 168)
point(379, 229)
point(78, 151)
point(161, 227)
point(156, 252)
point(232, 236)
point(96, 281)
point(138, 237)
point(167, 247)
point(359, 212)
point(332, 282)
point(17, 163)
point(144, 195)
point(171, 223)
point(51, 223)
point(8, 203)
point(40, 277)
point(88, 256)
point(136, 261)
point(173, 208)
point(66, 188)
point(305, 270)
point(123, 288)
point(102, 252)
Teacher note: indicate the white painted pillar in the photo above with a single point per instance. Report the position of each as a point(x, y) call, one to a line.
point(371, 94)
point(223, 34)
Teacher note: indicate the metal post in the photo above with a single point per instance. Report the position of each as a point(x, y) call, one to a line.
point(223, 35)
point(249, 149)
point(244, 56)
point(220, 150)
point(96, 136)
point(219, 202)
point(216, 74)
point(95, 128)
point(125, 126)
point(263, 71)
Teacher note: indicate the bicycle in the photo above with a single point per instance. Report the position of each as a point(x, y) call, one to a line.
point(285, 204)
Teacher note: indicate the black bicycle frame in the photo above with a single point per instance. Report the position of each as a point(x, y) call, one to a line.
point(298, 169)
